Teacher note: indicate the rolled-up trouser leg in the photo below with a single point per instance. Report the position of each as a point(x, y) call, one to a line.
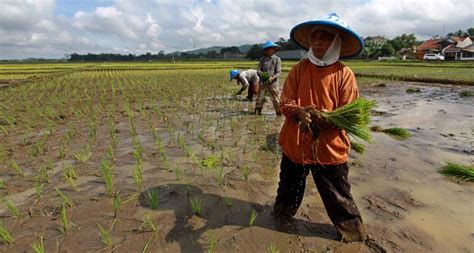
point(290, 188)
point(260, 97)
point(334, 188)
point(275, 98)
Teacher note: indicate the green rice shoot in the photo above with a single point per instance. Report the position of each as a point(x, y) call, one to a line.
point(5, 236)
point(38, 246)
point(354, 118)
point(466, 93)
point(357, 147)
point(397, 132)
point(458, 171)
point(253, 217)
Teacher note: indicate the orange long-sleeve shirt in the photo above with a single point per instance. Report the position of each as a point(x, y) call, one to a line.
point(327, 88)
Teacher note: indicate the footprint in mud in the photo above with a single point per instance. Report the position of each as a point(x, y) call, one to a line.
point(217, 212)
point(403, 239)
point(391, 204)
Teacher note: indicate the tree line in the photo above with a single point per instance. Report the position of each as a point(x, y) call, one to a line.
point(374, 47)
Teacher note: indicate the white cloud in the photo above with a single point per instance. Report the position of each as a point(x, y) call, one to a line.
point(30, 27)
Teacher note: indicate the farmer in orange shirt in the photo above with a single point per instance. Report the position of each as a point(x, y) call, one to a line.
point(323, 83)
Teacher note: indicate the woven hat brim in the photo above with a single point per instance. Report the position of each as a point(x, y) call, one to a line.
point(277, 48)
point(352, 44)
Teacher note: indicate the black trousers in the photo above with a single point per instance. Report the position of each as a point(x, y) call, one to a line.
point(334, 188)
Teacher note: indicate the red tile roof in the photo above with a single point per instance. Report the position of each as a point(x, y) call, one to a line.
point(429, 44)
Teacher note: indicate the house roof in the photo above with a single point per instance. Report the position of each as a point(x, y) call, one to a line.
point(469, 48)
point(464, 43)
point(431, 44)
point(451, 49)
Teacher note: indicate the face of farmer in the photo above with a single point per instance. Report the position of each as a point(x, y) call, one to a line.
point(269, 51)
point(319, 41)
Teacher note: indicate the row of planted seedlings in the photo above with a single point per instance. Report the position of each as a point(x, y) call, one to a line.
point(71, 133)
point(107, 103)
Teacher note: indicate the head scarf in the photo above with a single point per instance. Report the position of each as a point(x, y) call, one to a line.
point(331, 55)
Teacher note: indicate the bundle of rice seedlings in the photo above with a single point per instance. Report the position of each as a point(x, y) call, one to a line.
point(265, 76)
point(466, 93)
point(354, 118)
point(396, 132)
point(462, 172)
point(357, 147)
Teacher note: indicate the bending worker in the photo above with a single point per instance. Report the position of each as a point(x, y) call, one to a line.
point(247, 79)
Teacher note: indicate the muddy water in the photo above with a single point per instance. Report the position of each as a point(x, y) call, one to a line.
point(406, 204)
point(439, 211)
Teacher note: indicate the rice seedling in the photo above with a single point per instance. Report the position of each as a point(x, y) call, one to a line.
point(107, 175)
point(178, 172)
point(64, 228)
point(128, 110)
point(84, 155)
point(253, 216)
point(2, 184)
point(357, 147)
point(3, 153)
point(161, 148)
point(272, 249)
point(228, 201)
point(110, 152)
point(92, 133)
point(16, 168)
point(12, 209)
point(62, 152)
point(43, 174)
point(220, 176)
point(458, 171)
point(38, 246)
point(39, 186)
point(64, 198)
point(246, 173)
point(212, 243)
point(196, 205)
point(70, 175)
point(153, 197)
point(112, 132)
point(138, 175)
point(147, 225)
point(4, 130)
point(104, 236)
point(466, 93)
point(24, 140)
point(210, 162)
point(116, 203)
point(5, 236)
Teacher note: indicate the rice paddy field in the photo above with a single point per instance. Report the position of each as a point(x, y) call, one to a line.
point(159, 157)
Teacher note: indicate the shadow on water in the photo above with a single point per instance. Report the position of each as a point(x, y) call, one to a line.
point(217, 213)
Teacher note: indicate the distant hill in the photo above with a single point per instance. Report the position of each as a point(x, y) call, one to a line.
point(205, 50)
point(243, 48)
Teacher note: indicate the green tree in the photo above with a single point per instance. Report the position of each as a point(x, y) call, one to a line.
point(254, 52)
point(403, 41)
point(470, 31)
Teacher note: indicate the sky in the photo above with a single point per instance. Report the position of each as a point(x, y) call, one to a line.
point(53, 28)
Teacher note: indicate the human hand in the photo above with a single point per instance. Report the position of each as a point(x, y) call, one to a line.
point(303, 116)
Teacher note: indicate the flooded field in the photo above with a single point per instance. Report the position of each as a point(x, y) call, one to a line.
point(166, 161)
